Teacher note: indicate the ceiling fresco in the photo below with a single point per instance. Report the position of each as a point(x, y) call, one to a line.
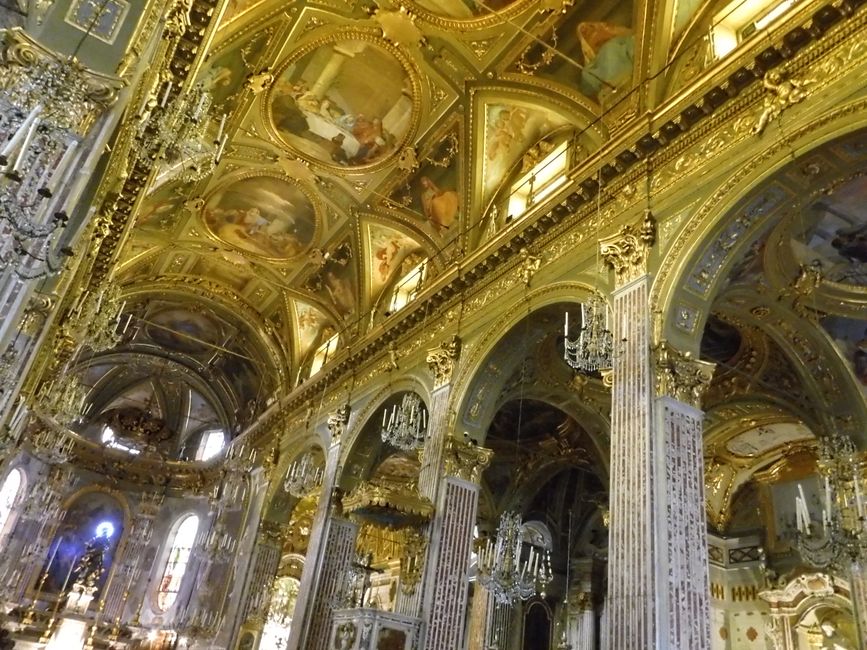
point(352, 156)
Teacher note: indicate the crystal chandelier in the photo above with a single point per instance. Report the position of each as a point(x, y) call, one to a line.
point(175, 131)
point(840, 538)
point(303, 477)
point(9, 368)
point(54, 447)
point(506, 571)
point(216, 544)
point(40, 111)
point(62, 400)
point(97, 317)
point(593, 349)
point(405, 427)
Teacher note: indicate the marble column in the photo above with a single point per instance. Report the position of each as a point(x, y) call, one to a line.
point(582, 628)
point(257, 593)
point(858, 589)
point(657, 567)
point(327, 533)
point(447, 572)
point(441, 361)
point(131, 568)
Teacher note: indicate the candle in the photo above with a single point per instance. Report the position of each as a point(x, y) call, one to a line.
point(566, 326)
point(220, 130)
point(222, 146)
point(165, 98)
point(827, 494)
point(858, 501)
point(23, 128)
point(19, 161)
point(60, 170)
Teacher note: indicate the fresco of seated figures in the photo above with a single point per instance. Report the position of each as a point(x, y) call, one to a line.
point(348, 103)
point(264, 215)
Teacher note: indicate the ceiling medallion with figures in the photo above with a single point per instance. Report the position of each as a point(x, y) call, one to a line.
point(349, 102)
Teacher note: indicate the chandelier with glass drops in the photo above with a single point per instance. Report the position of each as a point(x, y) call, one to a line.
point(40, 111)
point(592, 350)
point(506, 571)
point(303, 477)
point(96, 319)
point(406, 425)
point(840, 539)
point(175, 131)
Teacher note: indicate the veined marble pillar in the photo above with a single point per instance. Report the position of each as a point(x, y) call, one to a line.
point(265, 563)
point(447, 572)
point(657, 566)
point(582, 619)
point(441, 361)
point(328, 533)
point(858, 589)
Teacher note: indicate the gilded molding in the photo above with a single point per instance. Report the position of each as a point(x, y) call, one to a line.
point(627, 251)
point(442, 361)
point(679, 375)
point(465, 460)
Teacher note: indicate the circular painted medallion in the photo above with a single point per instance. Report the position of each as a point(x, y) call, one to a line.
point(348, 102)
point(263, 215)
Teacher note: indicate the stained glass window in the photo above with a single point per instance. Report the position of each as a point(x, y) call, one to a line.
point(176, 565)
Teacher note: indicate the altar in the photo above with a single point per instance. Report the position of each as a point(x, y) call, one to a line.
point(373, 629)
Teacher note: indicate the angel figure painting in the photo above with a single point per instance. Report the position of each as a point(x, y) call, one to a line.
point(347, 104)
point(388, 249)
point(263, 215)
point(608, 51)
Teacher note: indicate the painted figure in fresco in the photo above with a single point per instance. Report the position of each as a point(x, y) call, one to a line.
point(851, 243)
point(608, 57)
point(440, 206)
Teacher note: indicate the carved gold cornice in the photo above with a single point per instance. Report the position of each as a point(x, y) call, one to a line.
point(465, 460)
point(679, 375)
point(627, 251)
point(442, 361)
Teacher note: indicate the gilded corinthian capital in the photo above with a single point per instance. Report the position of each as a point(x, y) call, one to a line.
point(680, 376)
point(442, 360)
point(465, 460)
point(626, 252)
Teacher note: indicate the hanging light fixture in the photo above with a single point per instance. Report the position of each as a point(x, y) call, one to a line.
point(592, 351)
point(44, 114)
point(303, 477)
point(506, 570)
point(405, 426)
point(96, 320)
point(841, 537)
point(176, 131)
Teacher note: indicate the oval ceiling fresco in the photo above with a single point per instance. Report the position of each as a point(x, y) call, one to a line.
point(263, 215)
point(345, 103)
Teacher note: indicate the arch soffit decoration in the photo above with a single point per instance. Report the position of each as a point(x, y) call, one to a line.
point(193, 372)
point(228, 304)
point(684, 314)
point(464, 382)
point(410, 382)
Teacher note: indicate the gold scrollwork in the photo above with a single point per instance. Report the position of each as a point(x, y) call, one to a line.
point(466, 460)
point(679, 375)
point(626, 252)
point(442, 360)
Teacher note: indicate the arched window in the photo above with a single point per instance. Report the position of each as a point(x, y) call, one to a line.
point(176, 565)
point(8, 495)
point(210, 444)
